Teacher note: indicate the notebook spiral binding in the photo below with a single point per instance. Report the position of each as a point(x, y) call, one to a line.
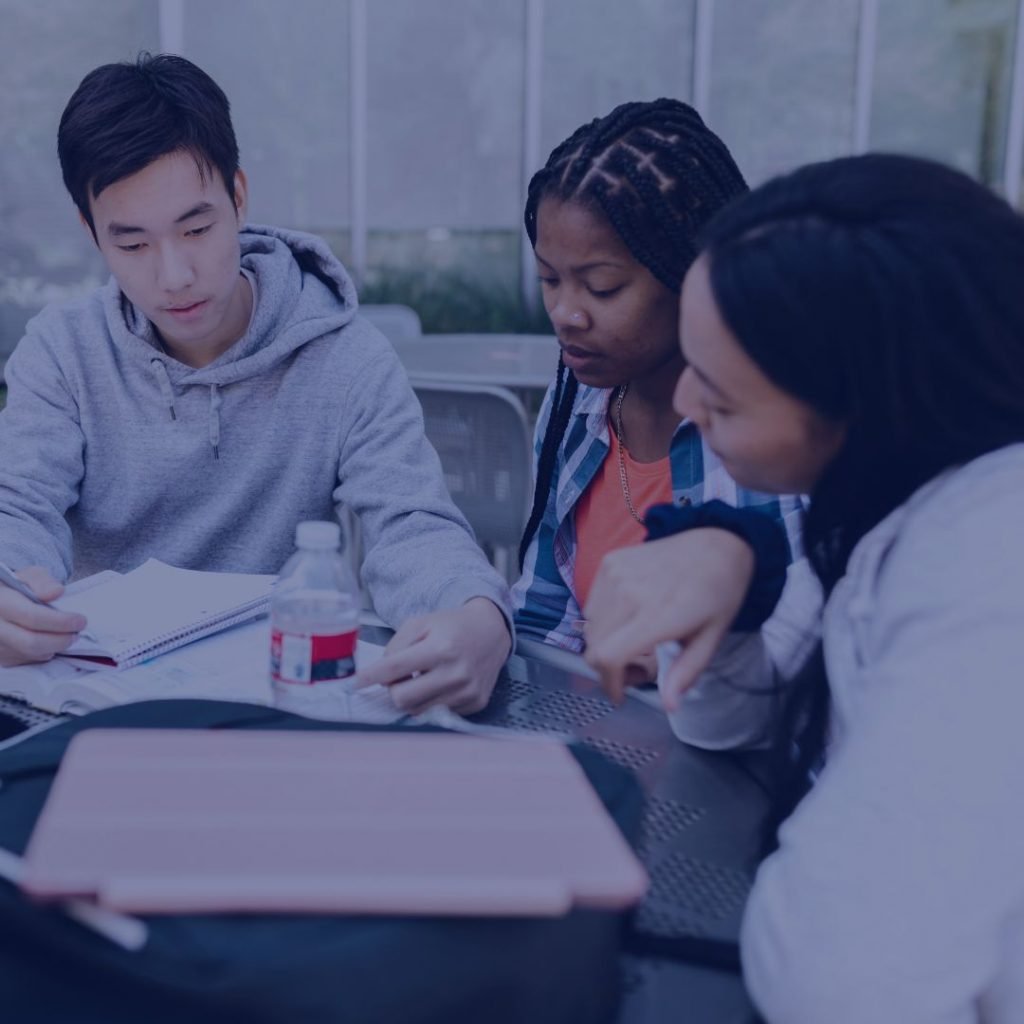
point(196, 631)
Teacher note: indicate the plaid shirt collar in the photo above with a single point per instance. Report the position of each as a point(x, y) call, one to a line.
point(697, 473)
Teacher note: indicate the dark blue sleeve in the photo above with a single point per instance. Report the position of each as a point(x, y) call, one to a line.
point(765, 535)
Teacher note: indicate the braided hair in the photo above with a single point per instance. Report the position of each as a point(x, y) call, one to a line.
point(657, 173)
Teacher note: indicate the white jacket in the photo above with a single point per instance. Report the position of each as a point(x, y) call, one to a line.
point(897, 891)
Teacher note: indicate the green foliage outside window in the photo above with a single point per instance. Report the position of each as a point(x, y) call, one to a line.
point(452, 303)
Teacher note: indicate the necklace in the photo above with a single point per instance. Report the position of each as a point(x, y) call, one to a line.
point(623, 479)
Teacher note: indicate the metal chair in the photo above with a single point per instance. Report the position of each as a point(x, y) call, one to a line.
point(395, 322)
point(486, 449)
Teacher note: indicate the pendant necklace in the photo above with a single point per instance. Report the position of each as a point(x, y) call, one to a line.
point(623, 478)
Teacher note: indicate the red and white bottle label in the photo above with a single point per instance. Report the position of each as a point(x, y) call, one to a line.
point(312, 659)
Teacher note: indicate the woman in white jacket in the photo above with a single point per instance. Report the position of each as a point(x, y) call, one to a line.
point(855, 331)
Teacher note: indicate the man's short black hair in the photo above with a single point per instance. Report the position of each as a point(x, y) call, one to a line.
point(124, 116)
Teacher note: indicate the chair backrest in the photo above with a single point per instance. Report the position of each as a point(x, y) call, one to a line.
point(484, 441)
point(523, 362)
point(395, 322)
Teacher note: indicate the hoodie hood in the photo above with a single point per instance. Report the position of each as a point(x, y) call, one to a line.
point(302, 293)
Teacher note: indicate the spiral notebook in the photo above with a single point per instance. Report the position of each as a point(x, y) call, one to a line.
point(156, 608)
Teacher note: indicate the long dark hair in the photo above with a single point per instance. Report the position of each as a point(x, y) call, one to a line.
point(886, 292)
point(657, 173)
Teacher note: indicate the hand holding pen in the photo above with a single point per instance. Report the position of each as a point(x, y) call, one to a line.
point(31, 630)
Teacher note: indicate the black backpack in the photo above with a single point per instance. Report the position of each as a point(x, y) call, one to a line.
point(259, 969)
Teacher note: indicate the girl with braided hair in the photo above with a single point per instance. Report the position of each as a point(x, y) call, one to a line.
point(613, 218)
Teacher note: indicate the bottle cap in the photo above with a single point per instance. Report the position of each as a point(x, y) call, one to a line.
point(322, 535)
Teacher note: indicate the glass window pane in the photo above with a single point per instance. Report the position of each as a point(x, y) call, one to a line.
point(284, 68)
point(782, 81)
point(44, 253)
point(444, 157)
point(942, 81)
point(445, 113)
point(636, 51)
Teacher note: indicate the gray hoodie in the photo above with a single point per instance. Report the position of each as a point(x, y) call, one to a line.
point(112, 451)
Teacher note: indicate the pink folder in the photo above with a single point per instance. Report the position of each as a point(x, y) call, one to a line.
point(153, 821)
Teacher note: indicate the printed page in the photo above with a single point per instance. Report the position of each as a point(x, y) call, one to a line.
point(44, 685)
point(231, 665)
point(235, 665)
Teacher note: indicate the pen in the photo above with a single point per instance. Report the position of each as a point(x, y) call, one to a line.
point(8, 578)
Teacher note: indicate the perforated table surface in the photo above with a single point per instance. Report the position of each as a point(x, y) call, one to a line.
point(698, 838)
point(698, 842)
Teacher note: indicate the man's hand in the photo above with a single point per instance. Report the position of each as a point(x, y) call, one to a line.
point(687, 588)
point(31, 632)
point(449, 657)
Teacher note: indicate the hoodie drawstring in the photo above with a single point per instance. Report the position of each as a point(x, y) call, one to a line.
point(163, 379)
point(215, 403)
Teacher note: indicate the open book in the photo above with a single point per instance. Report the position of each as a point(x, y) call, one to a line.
point(203, 653)
point(157, 608)
point(232, 665)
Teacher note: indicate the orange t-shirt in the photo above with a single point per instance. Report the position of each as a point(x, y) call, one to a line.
point(603, 520)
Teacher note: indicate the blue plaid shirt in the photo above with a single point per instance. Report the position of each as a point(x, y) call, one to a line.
point(544, 600)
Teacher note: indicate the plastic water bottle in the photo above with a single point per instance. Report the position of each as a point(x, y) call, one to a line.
point(314, 625)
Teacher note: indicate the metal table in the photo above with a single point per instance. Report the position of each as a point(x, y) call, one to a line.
point(698, 838)
point(698, 841)
point(523, 363)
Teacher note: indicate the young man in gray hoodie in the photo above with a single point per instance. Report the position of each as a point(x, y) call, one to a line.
point(217, 391)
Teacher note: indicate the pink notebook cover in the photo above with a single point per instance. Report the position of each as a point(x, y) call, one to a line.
point(152, 821)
